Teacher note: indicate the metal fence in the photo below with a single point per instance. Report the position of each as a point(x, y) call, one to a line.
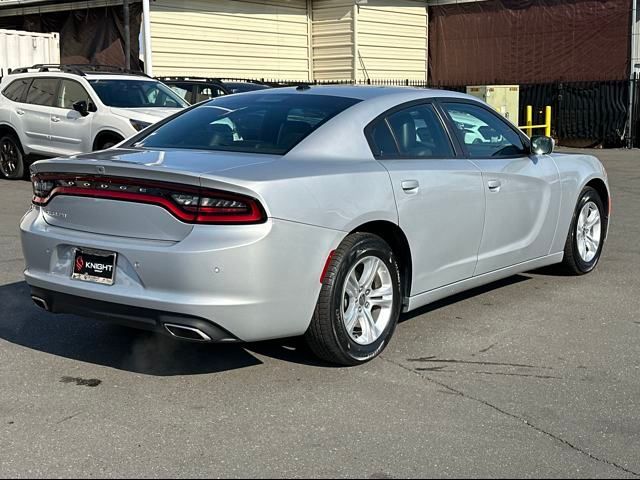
point(388, 82)
point(635, 116)
point(584, 113)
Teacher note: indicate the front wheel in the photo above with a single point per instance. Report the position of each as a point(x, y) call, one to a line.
point(587, 233)
point(359, 303)
point(11, 158)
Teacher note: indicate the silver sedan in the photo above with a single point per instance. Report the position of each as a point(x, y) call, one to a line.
point(315, 211)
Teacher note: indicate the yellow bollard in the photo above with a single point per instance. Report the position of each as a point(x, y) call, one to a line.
point(529, 130)
point(547, 121)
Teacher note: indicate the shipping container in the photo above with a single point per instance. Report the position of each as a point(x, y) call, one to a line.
point(24, 49)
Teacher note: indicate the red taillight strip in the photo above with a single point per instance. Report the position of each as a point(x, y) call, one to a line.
point(208, 215)
point(127, 197)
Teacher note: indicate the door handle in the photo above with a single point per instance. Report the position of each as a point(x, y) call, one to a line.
point(494, 185)
point(410, 186)
point(20, 112)
point(55, 119)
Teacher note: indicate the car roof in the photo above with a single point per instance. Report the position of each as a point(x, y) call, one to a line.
point(188, 80)
point(364, 92)
point(86, 76)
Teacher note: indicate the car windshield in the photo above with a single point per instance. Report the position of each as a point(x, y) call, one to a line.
point(252, 123)
point(136, 94)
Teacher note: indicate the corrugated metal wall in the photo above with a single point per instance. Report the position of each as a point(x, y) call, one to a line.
point(332, 39)
point(231, 38)
point(392, 39)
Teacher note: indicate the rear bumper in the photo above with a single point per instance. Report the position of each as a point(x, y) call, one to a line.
point(134, 317)
point(255, 282)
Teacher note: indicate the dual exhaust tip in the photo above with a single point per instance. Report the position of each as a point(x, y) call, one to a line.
point(178, 331)
point(41, 302)
point(186, 333)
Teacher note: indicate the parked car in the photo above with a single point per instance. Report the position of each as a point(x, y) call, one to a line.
point(54, 110)
point(196, 89)
point(315, 211)
point(241, 86)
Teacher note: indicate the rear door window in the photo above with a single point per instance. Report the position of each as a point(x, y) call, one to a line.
point(412, 132)
point(382, 142)
point(43, 91)
point(15, 90)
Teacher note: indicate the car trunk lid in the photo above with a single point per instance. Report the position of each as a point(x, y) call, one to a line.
point(121, 175)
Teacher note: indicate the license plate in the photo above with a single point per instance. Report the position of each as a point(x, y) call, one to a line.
point(94, 266)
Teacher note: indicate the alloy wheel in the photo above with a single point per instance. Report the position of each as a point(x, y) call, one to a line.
point(9, 157)
point(367, 300)
point(589, 232)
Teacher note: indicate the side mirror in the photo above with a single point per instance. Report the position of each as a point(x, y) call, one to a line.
point(81, 107)
point(541, 145)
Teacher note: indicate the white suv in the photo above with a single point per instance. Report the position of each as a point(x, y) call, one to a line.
point(65, 110)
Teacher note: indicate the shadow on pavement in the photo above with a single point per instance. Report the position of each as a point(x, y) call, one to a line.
point(474, 292)
point(138, 351)
point(93, 341)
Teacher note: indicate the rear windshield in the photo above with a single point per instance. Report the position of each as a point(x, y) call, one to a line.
point(252, 123)
point(136, 94)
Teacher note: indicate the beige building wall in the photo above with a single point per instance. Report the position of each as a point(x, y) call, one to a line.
point(231, 38)
point(392, 39)
point(332, 39)
point(290, 39)
point(377, 39)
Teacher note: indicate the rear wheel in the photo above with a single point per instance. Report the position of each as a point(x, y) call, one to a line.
point(11, 158)
point(106, 140)
point(359, 303)
point(586, 236)
point(106, 145)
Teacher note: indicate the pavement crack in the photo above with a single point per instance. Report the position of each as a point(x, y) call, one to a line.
point(442, 370)
point(466, 362)
point(543, 377)
point(488, 348)
point(512, 415)
point(68, 418)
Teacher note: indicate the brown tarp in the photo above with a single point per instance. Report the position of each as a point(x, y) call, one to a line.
point(94, 35)
point(529, 41)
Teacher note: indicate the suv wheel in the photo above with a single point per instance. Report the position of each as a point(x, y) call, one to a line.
point(106, 140)
point(107, 144)
point(11, 158)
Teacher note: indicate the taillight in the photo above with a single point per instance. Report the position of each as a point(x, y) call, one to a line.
point(188, 204)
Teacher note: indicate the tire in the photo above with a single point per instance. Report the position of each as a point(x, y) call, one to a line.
point(11, 158)
point(107, 144)
point(345, 297)
point(580, 255)
point(108, 140)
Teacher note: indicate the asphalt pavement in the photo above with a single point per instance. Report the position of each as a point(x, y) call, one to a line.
point(534, 376)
